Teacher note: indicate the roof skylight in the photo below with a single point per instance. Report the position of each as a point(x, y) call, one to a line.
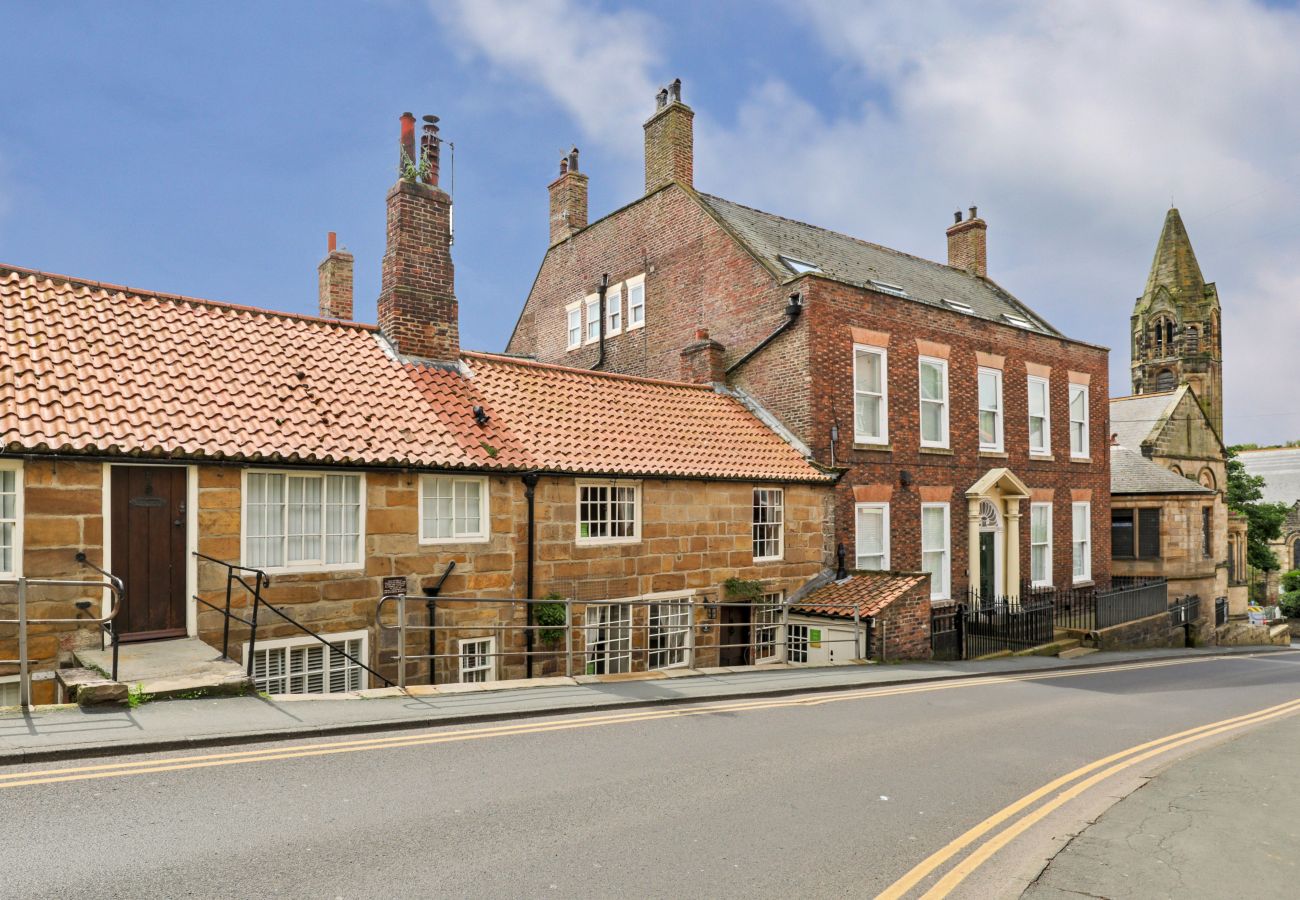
point(798, 266)
point(1018, 321)
point(886, 288)
point(958, 305)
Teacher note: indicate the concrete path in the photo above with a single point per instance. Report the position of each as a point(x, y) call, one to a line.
point(1224, 822)
point(65, 733)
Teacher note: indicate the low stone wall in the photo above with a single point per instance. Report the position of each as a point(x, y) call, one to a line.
point(1142, 634)
point(1244, 634)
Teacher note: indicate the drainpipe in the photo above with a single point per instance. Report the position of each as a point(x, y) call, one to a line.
point(431, 607)
point(792, 310)
point(604, 287)
point(530, 480)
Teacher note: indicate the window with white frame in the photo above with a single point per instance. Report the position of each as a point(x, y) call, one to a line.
point(302, 521)
point(11, 517)
point(9, 691)
point(933, 379)
point(990, 409)
point(453, 508)
point(769, 515)
point(573, 315)
point(607, 512)
point(870, 395)
point(669, 640)
point(478, 659)
point(593, 319)
point(766, 617)
point(1082, 543)
point(1040, 438)
point(796, 643)
point(936, 551)
point(1040, 544)
point(614, 309)
point(635, 302)
point(1079, 420)
point(872, 536)
point(306, 666)
point(608, 636)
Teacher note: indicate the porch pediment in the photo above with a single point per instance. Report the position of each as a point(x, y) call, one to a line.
point(999, 481)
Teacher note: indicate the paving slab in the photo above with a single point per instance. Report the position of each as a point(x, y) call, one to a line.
point(63, 733)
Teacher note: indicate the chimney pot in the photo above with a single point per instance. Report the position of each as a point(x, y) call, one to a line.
point(573, 160)
point(974, 214)
point(407, 139)
point(675, 90)
point(332, 242)
point(661, 98)
point(956, 217)
point(429, 150)
point(564, 165)
point(701, 334)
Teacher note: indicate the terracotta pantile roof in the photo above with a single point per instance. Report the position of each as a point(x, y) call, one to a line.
point(870, 592)
point(98, 369)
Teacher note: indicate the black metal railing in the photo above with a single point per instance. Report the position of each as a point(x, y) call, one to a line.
point(252, 581)
point(1006, 624)
point(1185, 611)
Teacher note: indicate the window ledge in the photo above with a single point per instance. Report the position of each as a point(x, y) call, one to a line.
point(940, 451)
point(604, 542)
point(1087, 582)
point(874, 448)
point(1081, 459)
point(760, 560)
point(1041, 457)
point(448, 542)
point(993, 454)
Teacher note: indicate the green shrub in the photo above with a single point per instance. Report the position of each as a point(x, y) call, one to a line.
point(549, 614)
point(1291, 581)
point(1290, 603)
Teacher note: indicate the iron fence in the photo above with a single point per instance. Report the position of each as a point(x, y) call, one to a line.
point(1185, 611)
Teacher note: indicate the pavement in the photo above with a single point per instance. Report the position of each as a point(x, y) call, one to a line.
point(1224, 822)
point(811, 794)
point(71, 732)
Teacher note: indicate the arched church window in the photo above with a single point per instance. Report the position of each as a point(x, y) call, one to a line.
point(1176, 469)
point(1295, 555)
point(1169, 335)
point(1165, 380)
point(1158, 338)
point(1207, 479)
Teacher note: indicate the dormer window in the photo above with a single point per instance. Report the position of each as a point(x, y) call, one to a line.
point(798, 266)
point(885, 287)
point(1018, 321)
point(959, 306)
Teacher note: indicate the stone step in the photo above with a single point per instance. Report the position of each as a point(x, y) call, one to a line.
point(160, 670)
point(1075, 652)
point(89, 687)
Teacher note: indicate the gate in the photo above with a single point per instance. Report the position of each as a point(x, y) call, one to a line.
point(947, 632)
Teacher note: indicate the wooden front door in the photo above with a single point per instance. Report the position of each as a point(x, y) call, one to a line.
point(148, 535)
point(988, 564)
point(734, 632)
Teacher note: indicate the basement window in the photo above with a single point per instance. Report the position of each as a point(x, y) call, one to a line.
point(959, 306)
point(886, 287)
point(798, 266)
point(478, 660)
point(1018, 321)
point(306, 666)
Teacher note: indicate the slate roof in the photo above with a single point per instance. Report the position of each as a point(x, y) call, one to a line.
point(1133, 473)
point(1280, 468)
point(100, 369)
point(857, 262)
point(1134, 419)
point(869, 592)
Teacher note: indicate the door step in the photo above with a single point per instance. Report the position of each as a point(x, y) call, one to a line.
point(1075, 652)
point(161, 670)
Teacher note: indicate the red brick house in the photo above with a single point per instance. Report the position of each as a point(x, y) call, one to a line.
point(972, 433)
point(143, 428)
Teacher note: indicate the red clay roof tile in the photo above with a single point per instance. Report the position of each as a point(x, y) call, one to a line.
point(869, 592)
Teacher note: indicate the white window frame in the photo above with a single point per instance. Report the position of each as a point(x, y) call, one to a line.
point(1084, 507)
point(484, 532)
point(941, 591)
point(635, 284)
point(614, 309)
point(999, 411)
point(1080, 452)
point(797, 642)
point(591, 330)
point(1046, 448)
point(884, 535)
point(860, 437)
point(765, 627)
point(942, 365)
point(775, 519)
point(616, 648)
point(306, 565)
point(1047, 580)
point(634, 538)
point(489, 669)
point(572, 311)
point(669, 619)
point(289, 644)
point(15, 569)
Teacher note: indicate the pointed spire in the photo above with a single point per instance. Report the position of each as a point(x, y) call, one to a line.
point(1175, 266)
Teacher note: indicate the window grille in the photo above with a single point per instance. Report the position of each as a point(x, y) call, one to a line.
point(607, 512)
point(477, 662)
point(608, 632)
point(308, 667)
point(797, 644)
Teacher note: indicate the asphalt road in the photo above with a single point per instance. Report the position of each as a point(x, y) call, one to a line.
point(823, 795)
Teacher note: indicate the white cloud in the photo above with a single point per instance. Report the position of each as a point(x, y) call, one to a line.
point(1073, 124)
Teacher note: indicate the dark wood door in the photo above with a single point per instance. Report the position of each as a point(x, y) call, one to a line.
point(148, 534)
point(734, 631)
point(988, 564)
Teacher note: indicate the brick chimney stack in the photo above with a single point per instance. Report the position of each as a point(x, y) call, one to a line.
point(968, 244)
point(702, 360)
point(669, 140)
point(335, 273)
point(568, 199)
point(417, 296)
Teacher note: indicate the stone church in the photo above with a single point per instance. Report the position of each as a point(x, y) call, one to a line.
point(1180, 529)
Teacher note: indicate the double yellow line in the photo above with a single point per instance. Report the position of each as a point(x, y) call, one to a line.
point(1100, 771)
point(271, 754)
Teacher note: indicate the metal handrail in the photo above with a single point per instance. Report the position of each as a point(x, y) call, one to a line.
point(780, 629)
point(259, 580)
point(110, 582)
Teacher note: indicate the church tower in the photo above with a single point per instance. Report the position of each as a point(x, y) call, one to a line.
point(1176, 336)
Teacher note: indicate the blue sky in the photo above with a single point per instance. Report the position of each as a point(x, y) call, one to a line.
point(206, 149)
